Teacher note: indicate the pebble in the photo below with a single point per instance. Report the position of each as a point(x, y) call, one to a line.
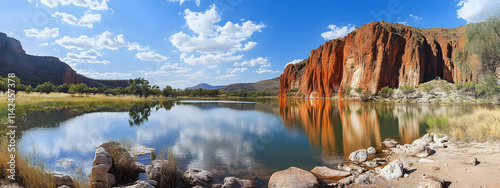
point(435, 167)
point(407, 175)
point(445, 164)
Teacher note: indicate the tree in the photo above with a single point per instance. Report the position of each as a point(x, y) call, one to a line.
point(93, 90)
point(139, 86)
point(78, 88)
point(3, 84)
point(359, 90)
point(365, 95)
point(168, 92)
point(484, 39)
point(28, 89)
point(46, 87)
point(385, 92)
point(155, 91)
point(63, 88)
point(347, 91)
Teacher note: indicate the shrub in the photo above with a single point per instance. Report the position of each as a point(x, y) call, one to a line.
point(366, 95)
point(437, 124)
point(407, 89)
point(334, 94)
point(480, 89)
point(347, 91)
point(294, 89)
point(170, 174)
point(385, 92)
point(427, 87)
point(359, 90)
point(446, 89)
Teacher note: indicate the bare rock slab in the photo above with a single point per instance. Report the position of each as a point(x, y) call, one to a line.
point(328, 173)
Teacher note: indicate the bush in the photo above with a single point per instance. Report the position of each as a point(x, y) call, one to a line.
point(437, 124)
point(334, 94)
point(427, 87)
point(359, 90)
point(407, 89)
point(46, 87)
point(347, 91)
point(366, 95)
point(466, 86)
point(446, 89)
point(294, 90)
point(170, 174)
point(480, 89)
point(385, 92)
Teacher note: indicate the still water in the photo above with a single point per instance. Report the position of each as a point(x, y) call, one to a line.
point(246, 139)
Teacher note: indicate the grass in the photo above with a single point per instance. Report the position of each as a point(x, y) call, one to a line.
point(170, 173)
point(31, 170)
point(481, 125)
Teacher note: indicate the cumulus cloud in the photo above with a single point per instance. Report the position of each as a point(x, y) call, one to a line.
point(337, 32)
point(198, 2)
point(211, 38)
point(415, 17)
point(86, 20)
point(45, 33)
point(91, 4)
point(474, 11)
point(102, 75)
point(151, 56)
point(264, 70)
point(253, 62)
point(210, 58)
point(106, 40)
point(89, 56)
point(169, 69)
point(44, 44)
point(235, 70)
point(294, 62)
point(225, 77)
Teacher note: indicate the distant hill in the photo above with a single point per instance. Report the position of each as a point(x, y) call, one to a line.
point(34, 70)
point(264, 85)
point(205, 86)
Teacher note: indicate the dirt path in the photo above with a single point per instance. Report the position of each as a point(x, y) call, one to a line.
point(450, 164)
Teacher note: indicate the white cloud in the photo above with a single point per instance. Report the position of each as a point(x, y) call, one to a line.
point(89, 56)
point(211, 58)
point(477, 10)
point(253, 62)
point(151, 56)
point(212, 66)
point(404, 22)
point(106, 40)
point(264, 70)
point(169, 69)
point(198, 75)
point(225, 77)
point(182, 1)
point(44, 44)
point(235, 70)
point(337, 32)
point(86, 20)
point(294, 62)
point(45, 33)
point(210, 37)
point(92, 4)
point(102, 75)
point(415, 17)
point(137, 46)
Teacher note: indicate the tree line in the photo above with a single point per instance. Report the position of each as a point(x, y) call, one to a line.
point(139, 87)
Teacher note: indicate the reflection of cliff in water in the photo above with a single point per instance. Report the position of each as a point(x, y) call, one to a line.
point(337, 127)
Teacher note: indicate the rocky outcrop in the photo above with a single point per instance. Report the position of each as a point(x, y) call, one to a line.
point(381, 54)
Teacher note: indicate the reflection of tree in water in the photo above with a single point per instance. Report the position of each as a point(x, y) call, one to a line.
point(140, 113)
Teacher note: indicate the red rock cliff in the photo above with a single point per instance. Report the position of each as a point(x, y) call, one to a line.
point(380, 54)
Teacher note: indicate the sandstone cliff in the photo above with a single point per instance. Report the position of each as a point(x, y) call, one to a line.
point(382, 54)
point(33, 70)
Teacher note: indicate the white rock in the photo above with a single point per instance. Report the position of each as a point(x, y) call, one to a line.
point(359, 155)
point(371, 151)
point(393, 170)
point(426, 160)
point(138, 150)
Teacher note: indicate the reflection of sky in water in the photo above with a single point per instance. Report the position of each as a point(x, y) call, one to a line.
point(207, 138)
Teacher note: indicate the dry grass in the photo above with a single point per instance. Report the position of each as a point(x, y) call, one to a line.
point(480, 125)
point(170, 173)
point(31, 170)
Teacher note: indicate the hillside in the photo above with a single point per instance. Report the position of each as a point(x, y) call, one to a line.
point(34, 70)
point(264, 85)
point(205, 86)
point(381, 54)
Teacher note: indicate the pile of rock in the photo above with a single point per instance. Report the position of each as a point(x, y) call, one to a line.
point(364, 167)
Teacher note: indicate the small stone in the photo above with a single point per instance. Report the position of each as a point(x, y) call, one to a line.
point(435, 167)
point(390, 143)
point(371, 151)
point(445, 164)
point(407, 175)
point(471, 161)
point(426, 160)
point(393, 170)
point(359, 155)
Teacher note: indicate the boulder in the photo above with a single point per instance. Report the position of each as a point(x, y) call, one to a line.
point(393, 170)
point(371, 151)
point(153, 170)
point(199, 177)
point(417, 150)
point(424, 140)
point(61, 180)
point(471, 161)
point(328, 173)
point(138, 150)
point(390, 143)
point(371, 164)
point(232, 182)
point(345, 181)
point(367, 178)
point(431, 182)
point(142, 184)
point(293, 177)
point(359, 155)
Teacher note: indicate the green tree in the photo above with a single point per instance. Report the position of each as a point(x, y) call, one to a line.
point(407, 89)
point(155, 90)
point(347, 91)
point(484, 39)
point(385, 92)
point(169, 92)
point(63, 88)
point(93, 90)
point(46, 87)
point(359, 90)
point(3, 84)
point(28, 89)
point(78, 88)
point(140, 87)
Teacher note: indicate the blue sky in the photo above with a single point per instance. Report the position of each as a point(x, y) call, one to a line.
point(185, 42)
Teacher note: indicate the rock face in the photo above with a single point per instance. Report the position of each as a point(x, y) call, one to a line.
point(381, 54)
point(293, 177)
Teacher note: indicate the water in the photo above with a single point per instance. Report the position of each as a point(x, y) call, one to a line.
point(245, 139)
